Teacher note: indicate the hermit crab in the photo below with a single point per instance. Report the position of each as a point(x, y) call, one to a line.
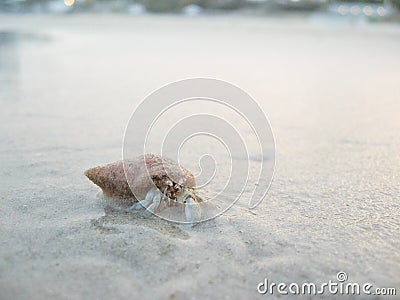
point(150, 181)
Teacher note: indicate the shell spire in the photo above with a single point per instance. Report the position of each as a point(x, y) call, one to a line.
point(111, 179)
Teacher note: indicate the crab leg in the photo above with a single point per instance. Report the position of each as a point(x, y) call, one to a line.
point(153, 206)
point(144, 203)
point(192, 211)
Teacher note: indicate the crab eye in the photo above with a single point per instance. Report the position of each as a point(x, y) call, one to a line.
point(184, 201)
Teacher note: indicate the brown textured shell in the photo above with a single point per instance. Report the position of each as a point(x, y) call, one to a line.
point(166, 174)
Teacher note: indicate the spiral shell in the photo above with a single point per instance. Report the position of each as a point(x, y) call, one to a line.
point(167, 175)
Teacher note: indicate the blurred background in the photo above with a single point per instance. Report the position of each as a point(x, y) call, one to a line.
point(372, 10)
point(326, 73)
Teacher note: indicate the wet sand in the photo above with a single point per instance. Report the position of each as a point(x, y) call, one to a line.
point(68, 86)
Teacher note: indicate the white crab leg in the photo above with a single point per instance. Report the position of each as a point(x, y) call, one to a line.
point(154, 205)
point(144, 203)
point(192, 211)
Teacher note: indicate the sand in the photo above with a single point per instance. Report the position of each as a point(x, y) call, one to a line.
point(68, 87)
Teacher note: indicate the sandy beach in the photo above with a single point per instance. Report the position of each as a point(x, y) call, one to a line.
point(68, 85)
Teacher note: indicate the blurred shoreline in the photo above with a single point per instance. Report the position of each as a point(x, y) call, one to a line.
point(372, 11)
point(294, 20)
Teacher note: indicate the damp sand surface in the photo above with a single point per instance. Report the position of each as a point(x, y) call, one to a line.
point(68, 85)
